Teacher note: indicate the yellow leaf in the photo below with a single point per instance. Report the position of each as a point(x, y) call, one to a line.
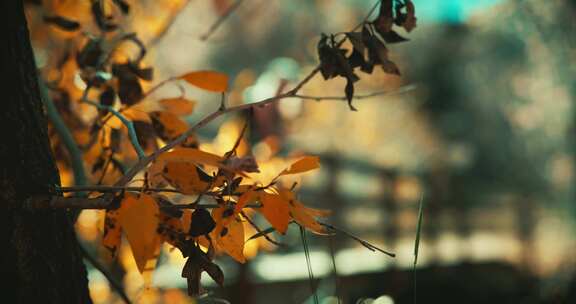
point(247, 197)
point(112, 236)
point(276, 210)
point(172, 229)
point(187, 177)
point(207, 80)
point(139, 217)
point(168, 127)
point(134, 114)
point(192, 155)
point(156, 176)
point(178, 106)
point(304, 164)
point(228, 235)
point(306, 217)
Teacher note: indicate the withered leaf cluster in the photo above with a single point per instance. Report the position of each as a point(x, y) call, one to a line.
point(368, 45)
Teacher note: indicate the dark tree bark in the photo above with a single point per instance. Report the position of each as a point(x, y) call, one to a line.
point(40, 260)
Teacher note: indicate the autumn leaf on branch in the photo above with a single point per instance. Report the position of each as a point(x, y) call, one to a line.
point(368, 45)
point(207, 80)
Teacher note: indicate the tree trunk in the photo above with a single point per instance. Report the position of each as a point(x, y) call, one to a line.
point(40, 260)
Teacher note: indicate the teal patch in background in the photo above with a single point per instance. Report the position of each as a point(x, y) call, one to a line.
point(450, 11)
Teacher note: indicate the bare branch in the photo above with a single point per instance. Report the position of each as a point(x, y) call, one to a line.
point(221, 20)
point(357, 239)
point(129, 125)
point(167, 25)
point(265, 235)
point(105, 189)
point(401, 90)
point(98, 203)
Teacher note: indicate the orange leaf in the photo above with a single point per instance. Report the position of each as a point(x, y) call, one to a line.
point(178, 106)
point(304, 164)
point(112, 237)
point(172, 228)
point(192, 155)
point(136, 115)
point(276, 210)
point(138, 215)
point(168, 126)
point(154, 174)
point(207, 80)
point(187, 177)
point(228, 235)
point(306, 217)
point(247, 197)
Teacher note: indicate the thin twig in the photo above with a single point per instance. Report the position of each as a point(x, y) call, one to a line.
point(308, 264)
point(417, 241)
point(401, 90)
point(238, 141)
point(221, 20)
point(167, 25)
point(113, 283)
point(104, 189)
point(158, 86)
point(97, 203)
point(105, 168)
point(129, 125)
point(357, 239)
point(265, 235)
point(335, 269)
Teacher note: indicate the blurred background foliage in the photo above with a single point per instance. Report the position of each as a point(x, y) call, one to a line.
point(481, 123)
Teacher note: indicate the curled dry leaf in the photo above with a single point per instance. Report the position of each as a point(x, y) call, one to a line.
point(198, 262)
point(207, 80)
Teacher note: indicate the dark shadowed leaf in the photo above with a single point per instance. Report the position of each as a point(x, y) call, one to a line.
point(392, 37)
point(201, 223)
point(129, 88)
point(62, 22)
point(104, 22)
point(90, 54)
point(350, 94)
point(123, 6)
point(115, 140)
point(107, 97)
point(213, 271)
point(98, 164)
point(192, 271)
point(385, 19)
point(145, 132)
point(356, 40)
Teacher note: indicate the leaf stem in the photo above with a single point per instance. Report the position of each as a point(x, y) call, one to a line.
point(129, 125)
